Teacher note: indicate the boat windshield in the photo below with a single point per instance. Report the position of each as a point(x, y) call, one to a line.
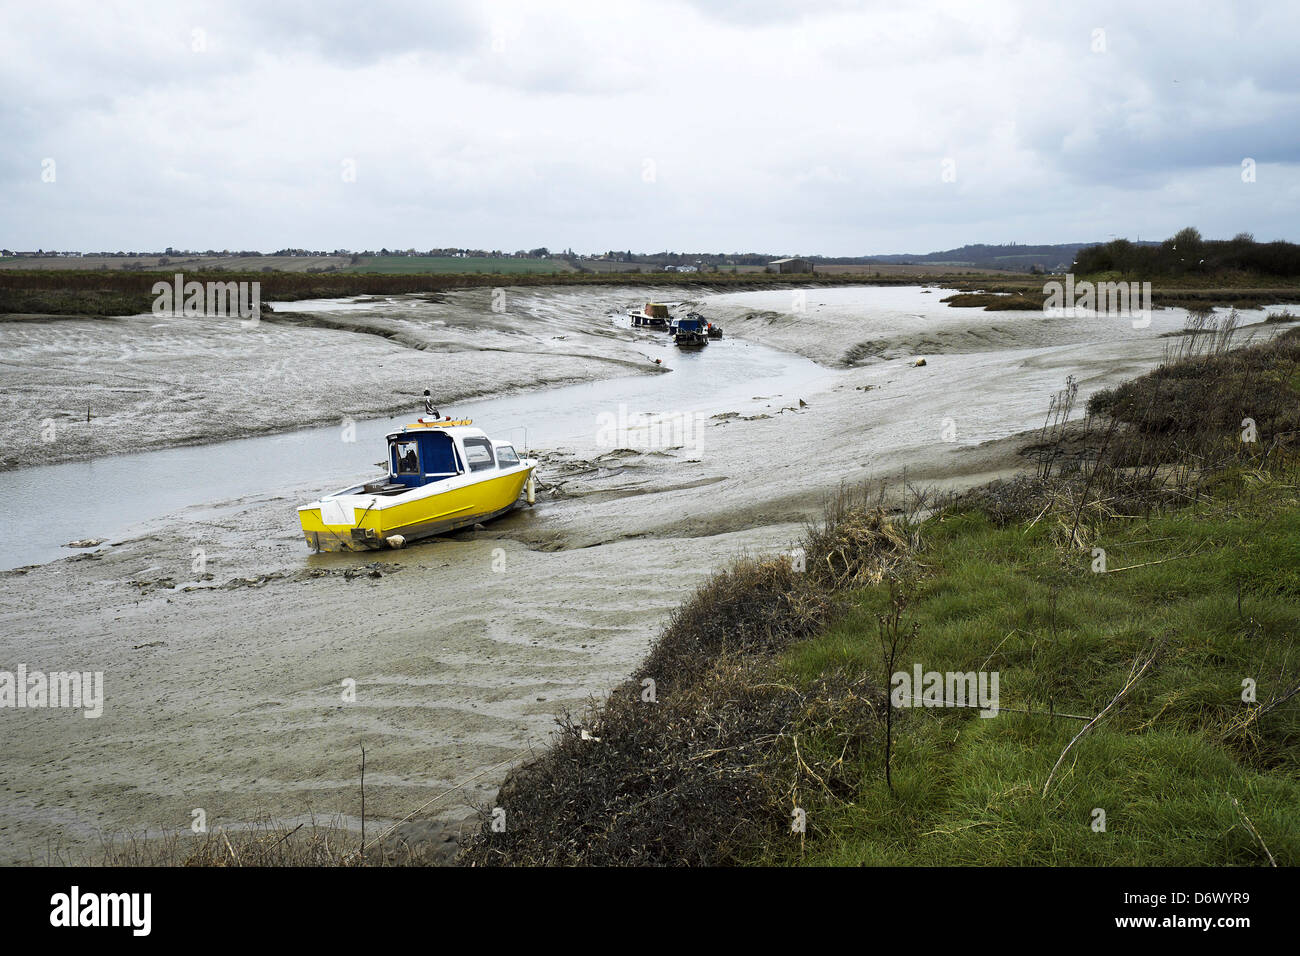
point(478, 454)
point(407, 458)
point(506, 456)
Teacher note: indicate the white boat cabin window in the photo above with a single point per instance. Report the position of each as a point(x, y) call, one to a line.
point(406, 458)
point(506, 456)
point(478, 454)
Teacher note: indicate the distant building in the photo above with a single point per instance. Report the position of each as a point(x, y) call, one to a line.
point(790, 265)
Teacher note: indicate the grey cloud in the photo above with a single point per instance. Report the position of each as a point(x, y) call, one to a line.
point(773, 125)
point(351, 33)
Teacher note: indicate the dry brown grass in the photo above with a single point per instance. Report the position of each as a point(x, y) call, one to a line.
point(702, 776)
point(1196, 404)
point(322, 843)
point(1158, 441)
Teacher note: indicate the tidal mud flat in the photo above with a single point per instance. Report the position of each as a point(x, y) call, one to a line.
point(151, 381)
point(225, 681)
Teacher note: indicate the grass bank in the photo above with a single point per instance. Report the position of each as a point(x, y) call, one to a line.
point(1186, 292)
point(118, 292)
point(88, 292)
point(1182, 769)
point(73, 302)
point(1141, 586)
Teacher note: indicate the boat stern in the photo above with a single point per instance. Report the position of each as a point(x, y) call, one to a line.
point(339, 524)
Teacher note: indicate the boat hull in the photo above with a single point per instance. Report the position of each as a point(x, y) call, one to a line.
point(413, 516)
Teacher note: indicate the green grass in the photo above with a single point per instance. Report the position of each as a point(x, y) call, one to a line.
point(1163, 767)
point(443, 265)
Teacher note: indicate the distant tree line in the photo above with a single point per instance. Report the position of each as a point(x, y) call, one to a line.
point(1187, 254)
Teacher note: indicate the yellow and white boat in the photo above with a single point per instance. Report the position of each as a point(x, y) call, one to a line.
point(442, 475)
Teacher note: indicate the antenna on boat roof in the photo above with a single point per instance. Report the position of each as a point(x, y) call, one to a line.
point(524, 429)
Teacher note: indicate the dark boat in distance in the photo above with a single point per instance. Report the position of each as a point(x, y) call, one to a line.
point(690, 332)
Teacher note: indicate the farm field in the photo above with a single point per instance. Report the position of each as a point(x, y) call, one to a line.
point(909, 269)
point(393, 265)
point(193, 263)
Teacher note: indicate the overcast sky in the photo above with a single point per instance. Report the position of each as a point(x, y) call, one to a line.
point(719, 125)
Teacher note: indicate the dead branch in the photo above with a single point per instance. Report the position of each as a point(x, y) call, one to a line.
point(1134, 675)
point(1255, 833)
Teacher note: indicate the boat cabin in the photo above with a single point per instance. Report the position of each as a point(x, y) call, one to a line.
point(654, 315)
point(425, 452)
